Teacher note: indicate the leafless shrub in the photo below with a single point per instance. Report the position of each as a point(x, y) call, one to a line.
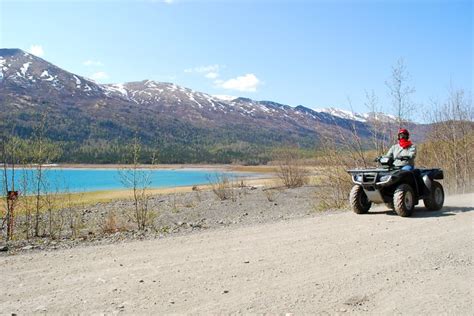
point(222, 186)
point(335, 184)
point(11, 156)
point(197, 193)
point(109, 225)
point(42, 152)
point(74, 215)
point(56, 217)
point(174, 204)
point(271, 194)
point(400, 92)
point(378, 124)
point(290, 169)
point(112, 224)
point(241, 183)
point(450, 143)
point(138, 180)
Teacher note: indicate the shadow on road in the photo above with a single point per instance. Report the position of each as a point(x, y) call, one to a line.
point(445, 211)
point(421, 212)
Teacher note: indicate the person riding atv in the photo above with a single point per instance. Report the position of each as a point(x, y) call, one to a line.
point(396, 183)
point(404, 152)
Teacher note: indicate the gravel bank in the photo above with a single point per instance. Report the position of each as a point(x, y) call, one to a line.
point(176, 214)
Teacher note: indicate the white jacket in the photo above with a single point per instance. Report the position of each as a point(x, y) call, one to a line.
point(396, 152)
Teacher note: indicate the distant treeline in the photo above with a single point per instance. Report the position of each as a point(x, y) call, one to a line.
point(172, 141)
point(44, 150)
point(106, 152)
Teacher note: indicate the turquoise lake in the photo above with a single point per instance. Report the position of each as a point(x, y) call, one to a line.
point(87, 180)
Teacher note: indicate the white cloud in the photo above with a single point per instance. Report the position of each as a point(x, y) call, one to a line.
point(92, 63)
point(212, 75)
point(36, 50)
point(210, 71)
point(98, 76)
point(247, 83)
point(168, 1)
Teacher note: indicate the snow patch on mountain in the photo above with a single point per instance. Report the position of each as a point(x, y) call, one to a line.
point(344, 114)
point(172, 87)
point(24, 68)
point(116, 88)
point(150, 84)
point(47, 77)
point(191, 98)
point(382, 117)
point(2, 67)
point(78, 81)
point(224, 97)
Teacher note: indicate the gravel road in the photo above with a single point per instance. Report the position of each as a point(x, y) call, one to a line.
point(337, 263)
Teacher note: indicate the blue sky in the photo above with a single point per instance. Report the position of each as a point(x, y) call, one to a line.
point(314, 53)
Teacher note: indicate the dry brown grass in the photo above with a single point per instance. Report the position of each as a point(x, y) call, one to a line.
point(223, 186)
point(290, 168)
point(112, 224)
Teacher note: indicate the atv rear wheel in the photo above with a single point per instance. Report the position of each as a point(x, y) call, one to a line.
point(404, 200)
point(359, 201)
point(435, 200)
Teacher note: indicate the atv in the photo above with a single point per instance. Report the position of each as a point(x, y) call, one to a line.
point(399, 189)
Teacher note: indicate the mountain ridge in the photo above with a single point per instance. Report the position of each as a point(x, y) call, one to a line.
point(81, 111)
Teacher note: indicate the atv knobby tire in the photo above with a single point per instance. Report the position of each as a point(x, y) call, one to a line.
point(404, 200)
point(435, 200)
point(359, 201)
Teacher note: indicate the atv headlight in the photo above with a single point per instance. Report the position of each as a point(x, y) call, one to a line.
point(358, 178)
point(385, 178)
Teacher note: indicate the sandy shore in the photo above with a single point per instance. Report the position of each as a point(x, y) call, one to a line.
point(90, 198)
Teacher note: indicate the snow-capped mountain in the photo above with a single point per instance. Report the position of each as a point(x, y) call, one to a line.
point(81, 110)
point(365, 117)
point(23, 70)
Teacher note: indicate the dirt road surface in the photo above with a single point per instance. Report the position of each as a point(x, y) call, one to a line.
point(335, 263)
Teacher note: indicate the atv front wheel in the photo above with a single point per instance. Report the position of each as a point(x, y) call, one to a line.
point(435, 200)
point(359, 201)
point(404, 200)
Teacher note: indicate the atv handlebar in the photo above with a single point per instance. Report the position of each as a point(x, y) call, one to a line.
point(378, 159)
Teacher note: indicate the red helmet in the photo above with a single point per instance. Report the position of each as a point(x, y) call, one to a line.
point(403, 131)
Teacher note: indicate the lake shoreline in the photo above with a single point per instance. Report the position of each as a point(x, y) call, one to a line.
point(91, 195)
point(213, 167)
